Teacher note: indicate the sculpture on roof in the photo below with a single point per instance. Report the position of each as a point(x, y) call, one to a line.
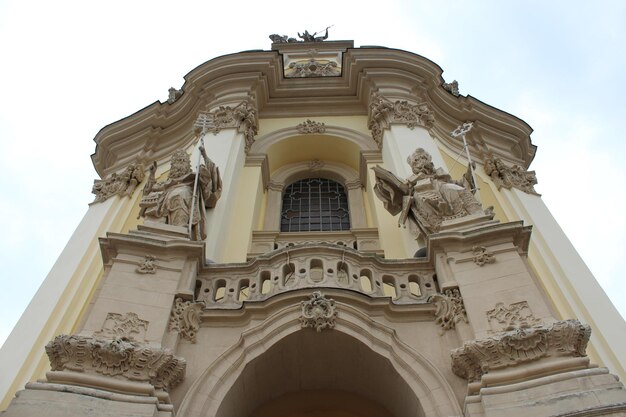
point(170, 201)
point(428, 197)
point(306, 37)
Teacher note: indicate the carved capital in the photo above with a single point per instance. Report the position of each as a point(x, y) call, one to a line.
point(243, 116)
point(309, 126)
point(478, 357)
point(318, 312)
point(449, 309)
point(383, 112)
point(124, 183)
point(117, 358)
point(507, 177)
point(185, 319)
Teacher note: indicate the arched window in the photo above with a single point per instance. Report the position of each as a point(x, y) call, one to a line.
point(314, 204)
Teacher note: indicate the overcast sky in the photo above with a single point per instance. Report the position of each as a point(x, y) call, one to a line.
point(71, 67)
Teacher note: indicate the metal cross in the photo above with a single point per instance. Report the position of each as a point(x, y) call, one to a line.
point(461, 131)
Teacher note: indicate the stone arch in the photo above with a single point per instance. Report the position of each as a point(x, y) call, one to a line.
point(209, 394)
point(363, 141)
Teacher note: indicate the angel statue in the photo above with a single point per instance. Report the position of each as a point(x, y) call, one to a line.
point(428, 197)
point(170, 201)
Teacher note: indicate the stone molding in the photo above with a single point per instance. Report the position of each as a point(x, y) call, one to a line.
point(449, 309)
point(185, 319)
point(123, 184)
point(478, 357)
point(127, 325)
point(309, 127)
point(243, 116)
point(119, 358)
point(318, 312)
point(383, 112)
point(507, 177)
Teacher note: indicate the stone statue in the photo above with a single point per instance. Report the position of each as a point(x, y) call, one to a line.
point(428, 197)
point(307, 37)
point(170, 201)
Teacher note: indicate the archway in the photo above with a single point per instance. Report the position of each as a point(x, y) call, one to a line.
point(329, 365)
point(420, 389)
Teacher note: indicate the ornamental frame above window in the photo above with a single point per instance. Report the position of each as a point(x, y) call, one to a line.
point(315, 205)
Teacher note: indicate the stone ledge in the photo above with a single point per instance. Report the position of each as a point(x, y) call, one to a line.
point(116, 358)
point(477, 357)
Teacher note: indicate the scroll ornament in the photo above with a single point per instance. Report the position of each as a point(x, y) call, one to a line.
point(124, 183)
point(449, 309)
point(185, 319)
point(383, 112)
point(507, 177)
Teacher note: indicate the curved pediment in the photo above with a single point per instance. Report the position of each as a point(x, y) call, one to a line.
point(259, 78)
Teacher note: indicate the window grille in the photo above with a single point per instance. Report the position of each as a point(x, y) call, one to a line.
point(314, 204)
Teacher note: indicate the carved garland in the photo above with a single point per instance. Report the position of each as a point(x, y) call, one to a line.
point(310, 126)
point(242, 116)
point(477, 357)
point(318, 312)
point(449, 309)
point(124, 183)
point(185, 319)
point(119, 358)
point(507, 177)
point(383, 112)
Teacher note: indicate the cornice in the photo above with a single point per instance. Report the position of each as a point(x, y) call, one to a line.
point(257, 77)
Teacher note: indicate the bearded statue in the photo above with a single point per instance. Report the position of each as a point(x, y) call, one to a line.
point(172, 201)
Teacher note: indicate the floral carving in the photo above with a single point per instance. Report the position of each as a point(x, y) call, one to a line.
point(383, 112)
point(310, 126)
point(313, 68)
point(507, 177)
point(449, 309)
point(515, 316)
point(477, 357)
point(147, 266)
point(482, 256)
point(242, 116)
point(452, 87)
point(318, 312)
point(127, 325)
point(185, 319)
point(124, 183)
point(120, 358)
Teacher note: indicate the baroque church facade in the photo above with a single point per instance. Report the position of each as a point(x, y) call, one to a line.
point(317, 230)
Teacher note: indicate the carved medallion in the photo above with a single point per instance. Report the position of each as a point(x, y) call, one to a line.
point(127, 325)
point(318, 312)
point(482, 256)
point(147, 266)
point(515, 316)
point(311, 68)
